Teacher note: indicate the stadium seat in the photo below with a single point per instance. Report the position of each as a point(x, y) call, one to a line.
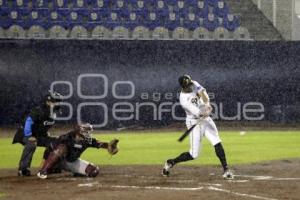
point(161, 9)
point(231, 22)
point(241, 33)
point(221, 10)
point(78, 32)
point(3, 3)
point(212, 3)
point(58, 32)
point(100, 32)
point(16, 31)
point(221, 33)
point(133, 21)
point(113, 21)
point(181, 33)
point(201, 9)
point(152, 21)
point(36, 32)
point(20, 3)
point(60, 3)
point(141, 32)
point(201, 33)
point(180, 6)
point(173, 21)
point(120, 32)
point(211, 22)
point(80, 4)
point(40, 4)
point(191, 22)
point(100, 4)
point(35, 18)
point(160, 33)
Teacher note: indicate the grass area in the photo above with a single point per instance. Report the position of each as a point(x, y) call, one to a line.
point(155, 148)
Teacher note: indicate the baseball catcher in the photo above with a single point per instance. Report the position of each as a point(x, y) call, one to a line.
point(195, 101)
point(66, 151)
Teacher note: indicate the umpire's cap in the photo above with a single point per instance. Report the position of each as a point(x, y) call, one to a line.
point(185, 81)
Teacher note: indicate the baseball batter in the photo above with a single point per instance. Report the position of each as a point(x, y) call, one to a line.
point(195, 101)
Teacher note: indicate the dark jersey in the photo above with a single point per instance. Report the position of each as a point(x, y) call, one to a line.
point(75, 147)
point(38, 122)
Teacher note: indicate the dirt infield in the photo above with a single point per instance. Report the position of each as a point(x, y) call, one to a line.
point(266, 181)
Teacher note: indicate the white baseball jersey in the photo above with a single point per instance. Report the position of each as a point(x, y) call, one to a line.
point(194, 108)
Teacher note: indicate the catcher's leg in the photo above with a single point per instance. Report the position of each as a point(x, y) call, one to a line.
point(27, 154)
point(82, 167)
point(52, 159)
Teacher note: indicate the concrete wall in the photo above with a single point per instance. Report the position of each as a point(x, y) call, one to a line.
point(282, 14)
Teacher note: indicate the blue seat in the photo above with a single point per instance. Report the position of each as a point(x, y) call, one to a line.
point(74, 18)
point(23, 3)
point(191, 21)
point(3, 3)
point(211, 23)
point(231, 22)
point(201, 10)
point(191, 3)
point(60, 3)
point(35, 18)
point(112, 22)
point(5, 23)
point(80, 3)
point(96, 4)
point(171, 2)
point(152, 21)
point(4, 11)
point(221, 10)
point(212, 3)
point(172, 21)
point(40, 3)
point(133, 21)
point(121, 12)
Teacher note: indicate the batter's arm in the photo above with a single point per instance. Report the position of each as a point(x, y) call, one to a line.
point(203, 94)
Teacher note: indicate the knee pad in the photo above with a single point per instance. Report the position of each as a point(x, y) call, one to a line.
point(92, 170)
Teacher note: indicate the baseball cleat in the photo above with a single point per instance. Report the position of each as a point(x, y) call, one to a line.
point(167, 167)
point(42, 175)
point(24, 172)
point(228, 174)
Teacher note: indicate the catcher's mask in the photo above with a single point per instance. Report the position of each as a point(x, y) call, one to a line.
point(85, 130)
point(185, 81)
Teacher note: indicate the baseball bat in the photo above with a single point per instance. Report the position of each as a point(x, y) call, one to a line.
point(186, 133)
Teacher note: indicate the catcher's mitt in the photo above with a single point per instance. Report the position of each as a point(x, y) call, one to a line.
point(112, 147)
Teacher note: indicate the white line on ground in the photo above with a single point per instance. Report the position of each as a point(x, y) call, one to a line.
point(92, 184)
point(156, 188)
point(239, 194)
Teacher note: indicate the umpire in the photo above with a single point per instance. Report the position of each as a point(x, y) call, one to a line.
point(34, 130)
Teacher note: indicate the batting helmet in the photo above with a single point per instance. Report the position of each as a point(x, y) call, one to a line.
point(185, 81)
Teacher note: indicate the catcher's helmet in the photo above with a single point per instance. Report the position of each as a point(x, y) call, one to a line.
point(85, 130)
point(185, 81)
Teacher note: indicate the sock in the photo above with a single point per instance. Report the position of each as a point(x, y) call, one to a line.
point(186, 156)
point(221, 155)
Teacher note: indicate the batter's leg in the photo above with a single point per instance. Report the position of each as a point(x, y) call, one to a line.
point(211, 133)
point(195, 144)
